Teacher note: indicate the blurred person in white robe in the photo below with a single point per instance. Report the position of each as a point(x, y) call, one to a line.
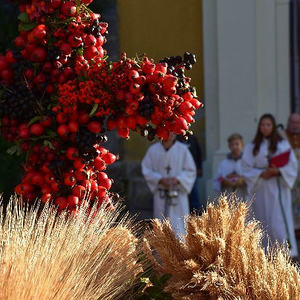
point(229, 177)
point(293, 136)
point(170, 173)
point(270, 168)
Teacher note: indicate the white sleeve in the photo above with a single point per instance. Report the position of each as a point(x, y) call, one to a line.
point(289, 171)
point(249, 172)
point(187, 176)
point(152, 177)
point(217, 179)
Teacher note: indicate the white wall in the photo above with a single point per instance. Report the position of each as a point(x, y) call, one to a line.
point(246, 67)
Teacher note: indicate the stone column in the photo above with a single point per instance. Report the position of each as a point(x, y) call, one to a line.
point(246, 59)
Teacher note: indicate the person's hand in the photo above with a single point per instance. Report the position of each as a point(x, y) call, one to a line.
point(266, 174)
point(173, 181)
point(227, 183)
point(269, 173)
point(232, 175)
point(165, 182)
point(274, 171)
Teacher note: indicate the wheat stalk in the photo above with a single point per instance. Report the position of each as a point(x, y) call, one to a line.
point(221, 257)
point(44, 255)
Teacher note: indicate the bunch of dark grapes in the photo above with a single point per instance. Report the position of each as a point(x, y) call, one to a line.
point(176, 66)
point(146, 107)
point(189, 59)
point(94, 29)
point(85, 141)
point(18, 102)
point(174, 62)
point(54, 53)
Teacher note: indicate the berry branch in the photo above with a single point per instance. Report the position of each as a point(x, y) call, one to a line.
point(60, 95)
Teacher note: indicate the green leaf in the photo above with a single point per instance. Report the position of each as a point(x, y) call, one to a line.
point(23, 17)
point(50, 133)
point(80, 51)
point(144, 279)
point(48, 144)
point(26, 26)
point(33, 120)
point(12, 150)
point(94, 109)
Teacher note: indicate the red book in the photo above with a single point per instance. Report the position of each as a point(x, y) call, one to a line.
point(280, 160)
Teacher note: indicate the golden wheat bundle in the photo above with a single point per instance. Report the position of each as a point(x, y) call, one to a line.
point(221, 257)
point(44, 255)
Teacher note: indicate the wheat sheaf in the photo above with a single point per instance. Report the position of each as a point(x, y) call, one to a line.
point(221, 257)
point(44, 255)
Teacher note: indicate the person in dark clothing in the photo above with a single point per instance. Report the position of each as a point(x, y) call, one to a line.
point(195, 149)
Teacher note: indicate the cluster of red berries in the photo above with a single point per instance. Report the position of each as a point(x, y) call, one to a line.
point(59, 95)
point(64, 37)
point(134, 94)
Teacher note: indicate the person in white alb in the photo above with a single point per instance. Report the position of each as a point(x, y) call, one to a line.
point(170, 172)
point(270, 168)
point(228, 178)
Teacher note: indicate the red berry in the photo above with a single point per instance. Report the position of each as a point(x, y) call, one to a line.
point(61, 118)
point(75, 41)
point(133, 74)
point(66, 48)
point(72, 153)
point(9, 57)
point(90, 52)
point(101, 176)
point(19, 41)
point(109, 158)
point(111, 124)
point(73, 126)
point(47, 67)
point(69, 9)
point(101, 192)
point(46, 197)
point(69, 180)
point(99, 164)
point(55, 3)
point(6, 75)
point(80, 175)
point(83, 118)
point(90, 40)
point(72, 200)
point(94, 127)
point(37, 129)
point(63, 130)
point(26, 188)
point(46, 121)
point(38, 55)
point(123, 132)
point(106, 183)
point(162, 133)
point(3, 64)
point(61, 202)
point(24, 133)
point(45, 189)
point(39, 32)
point(55, 186)
point(79, 163)
point(79, 191)
point(38, 179)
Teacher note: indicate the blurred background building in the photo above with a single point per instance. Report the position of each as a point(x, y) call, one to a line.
point(248, 64)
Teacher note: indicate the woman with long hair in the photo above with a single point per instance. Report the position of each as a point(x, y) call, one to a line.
point(270, 169)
